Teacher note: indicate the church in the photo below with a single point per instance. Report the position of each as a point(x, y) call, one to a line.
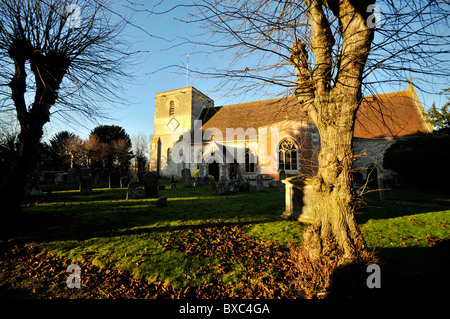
point(241, 141)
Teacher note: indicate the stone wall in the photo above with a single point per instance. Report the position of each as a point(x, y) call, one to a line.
point(371, 152)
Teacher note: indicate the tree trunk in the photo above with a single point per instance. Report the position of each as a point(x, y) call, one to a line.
point(332, 105)
point(48, 72)
point(335, 232)
point(25, 163)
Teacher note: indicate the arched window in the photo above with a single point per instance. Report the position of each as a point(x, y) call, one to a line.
point(171, 108)
point(250, 161)
point(169, 153)
point(287, 155)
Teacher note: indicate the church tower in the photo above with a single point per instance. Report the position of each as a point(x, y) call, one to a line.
point(175, 112)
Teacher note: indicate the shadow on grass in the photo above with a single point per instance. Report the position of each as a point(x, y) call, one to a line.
point(409, 273)
point(373, 208)
point(105, 213)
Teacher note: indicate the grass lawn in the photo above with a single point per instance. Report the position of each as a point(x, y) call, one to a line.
point(201, 237)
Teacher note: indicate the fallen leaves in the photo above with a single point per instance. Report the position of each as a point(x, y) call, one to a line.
point(263, 269)
point(262, 266)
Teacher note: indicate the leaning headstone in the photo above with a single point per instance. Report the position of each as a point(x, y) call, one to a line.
point(161, 202)
point(259, 183)
point(114, 179)
point(186, 177)
point(150, 184)
point(72, 175)
point(281, 177)
point(124, 181)
point(85, 184)
point(134, 190)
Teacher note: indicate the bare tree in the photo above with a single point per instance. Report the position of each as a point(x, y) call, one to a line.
point(55, 56)
point(91, 149)
point(140, 150)
point(324, 52)
point(121, 150)
point(72, 150)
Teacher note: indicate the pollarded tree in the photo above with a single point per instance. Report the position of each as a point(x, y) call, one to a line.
point(55, 56)
point(323, 51)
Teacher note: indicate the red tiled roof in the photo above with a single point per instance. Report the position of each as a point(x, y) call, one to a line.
point(382, 115)
point(256, 114)
point(387, 115)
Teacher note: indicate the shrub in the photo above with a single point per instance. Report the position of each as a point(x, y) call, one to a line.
point(421, 162)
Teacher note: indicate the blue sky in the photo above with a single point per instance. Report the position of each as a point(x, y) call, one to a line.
point(136, 116)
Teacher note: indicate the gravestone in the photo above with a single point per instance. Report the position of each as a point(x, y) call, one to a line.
point(84, 171)
point(114, 179)
point(202, 181)
point(97, 175)
point(212, 185)
point(85, 183)
point(225, 186)
point(244, 187)
point(161, 202)
point(260, 183)
point(281, 178)
point(72, 175)
point(230, 186)
point(173, 185)
point(60, 178)
point(222, 186)
point(134, 190)
point(186, 177)
point(124, 181)
point(150, 185)
point(300, 199)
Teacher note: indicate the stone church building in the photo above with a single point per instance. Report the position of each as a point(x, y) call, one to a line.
point(263, 137)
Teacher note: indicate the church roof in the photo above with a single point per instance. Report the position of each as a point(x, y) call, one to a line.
point(256, 114)
point(394, 114)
